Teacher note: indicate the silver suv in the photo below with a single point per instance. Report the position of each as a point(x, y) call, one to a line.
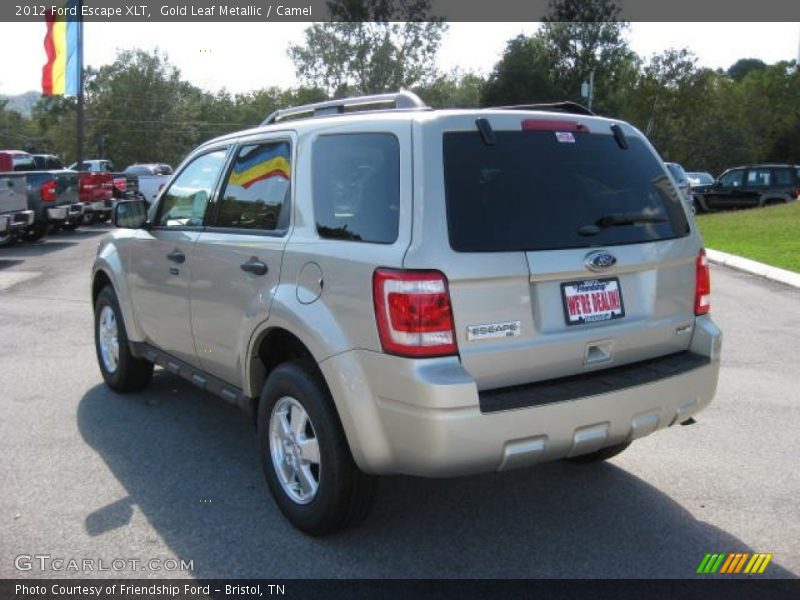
point(394, 289)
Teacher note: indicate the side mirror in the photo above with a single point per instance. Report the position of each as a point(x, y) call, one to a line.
point(130, 214)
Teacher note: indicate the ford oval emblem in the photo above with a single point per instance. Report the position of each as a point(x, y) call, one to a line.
point(600, 260)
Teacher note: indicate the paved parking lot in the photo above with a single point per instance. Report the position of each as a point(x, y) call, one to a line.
point(173, 473)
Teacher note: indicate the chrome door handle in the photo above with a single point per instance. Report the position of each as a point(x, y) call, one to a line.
point(254, 266)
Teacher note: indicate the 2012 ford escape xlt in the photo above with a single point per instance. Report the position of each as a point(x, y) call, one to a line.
point(394, 289)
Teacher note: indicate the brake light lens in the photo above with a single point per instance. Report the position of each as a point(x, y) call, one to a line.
point(702, 289)
point(120, 184)
point(553, 125)
point(48, 191)
point(796, 193)
point(413, 313)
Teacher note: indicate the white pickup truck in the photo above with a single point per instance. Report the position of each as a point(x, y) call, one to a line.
point(14, 214)
point(152, 178)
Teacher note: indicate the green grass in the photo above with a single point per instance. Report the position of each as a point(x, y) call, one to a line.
point(770, 235)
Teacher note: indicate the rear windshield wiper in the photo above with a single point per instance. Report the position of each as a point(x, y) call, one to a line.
point(615, 220)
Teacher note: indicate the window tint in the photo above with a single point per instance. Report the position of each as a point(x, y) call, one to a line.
point(184, 203)
point(257, 192)
point(783, 177)
point(732, 179)
point(759, 178)
point(536, 191)
point(357, 187)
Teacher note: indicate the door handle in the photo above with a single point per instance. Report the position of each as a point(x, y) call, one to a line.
point(177, 256)
point(254, 266)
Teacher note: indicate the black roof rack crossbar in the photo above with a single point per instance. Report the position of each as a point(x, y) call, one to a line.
point(403, 100)
point(566, 106)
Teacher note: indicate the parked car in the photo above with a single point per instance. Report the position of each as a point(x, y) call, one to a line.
point(152, 178)
point(754, 185)
point(411, 291)
point(51, 194)
point(699, 178)
point(682, 181)
point(123, 186)
point(15, 217)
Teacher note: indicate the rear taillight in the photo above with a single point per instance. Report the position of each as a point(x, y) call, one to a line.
point(553, 125)
point(413, 313)
point(796, 193)
point(702, 288)
point(120, 184)
point(48, 191)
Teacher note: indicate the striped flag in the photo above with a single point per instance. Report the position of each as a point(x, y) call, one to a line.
point(61, 74)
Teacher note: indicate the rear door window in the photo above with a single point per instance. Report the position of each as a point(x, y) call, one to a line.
point(759, 178)
point(356, 187)
point(256, 194)
point(535, 191)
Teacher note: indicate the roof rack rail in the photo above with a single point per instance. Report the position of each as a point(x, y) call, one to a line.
point(566, 106)
point(402, 100)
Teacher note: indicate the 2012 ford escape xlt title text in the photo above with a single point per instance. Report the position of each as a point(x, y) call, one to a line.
point(394, 289)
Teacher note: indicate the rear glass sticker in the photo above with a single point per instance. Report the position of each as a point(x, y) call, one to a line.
point(565, 137)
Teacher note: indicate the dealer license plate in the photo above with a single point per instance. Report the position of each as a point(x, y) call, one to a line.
point(592, 300)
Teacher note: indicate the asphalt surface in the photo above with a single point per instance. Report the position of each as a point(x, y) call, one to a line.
point(173, 473)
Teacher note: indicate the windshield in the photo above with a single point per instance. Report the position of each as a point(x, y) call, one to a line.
point(531, 191)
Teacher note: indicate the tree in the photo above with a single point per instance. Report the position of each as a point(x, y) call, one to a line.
point(576, 38)
point(16, 132)
point(743, 66)
point(372, 47)
point(582, 36)
point(523, 75)
point(454, 90)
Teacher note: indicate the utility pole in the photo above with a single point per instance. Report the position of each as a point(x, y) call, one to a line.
point(80, 119)
point(587, 89)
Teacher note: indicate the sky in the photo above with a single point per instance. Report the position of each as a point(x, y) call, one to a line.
point(245, 56)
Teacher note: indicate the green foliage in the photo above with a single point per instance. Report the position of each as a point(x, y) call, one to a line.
point(739, 70)
point(578, 38)
point(16, 132)
point(393, 49)
point(523, 75)
point(453, 90)
point(770, 235)
point(139, 108)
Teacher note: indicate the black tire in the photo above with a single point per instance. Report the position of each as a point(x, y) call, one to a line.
point(88, 218)
point(71, 226)
point(599, 455)
point(35, 232)
point(131, 374)
point(103, 217)
point(344, 494)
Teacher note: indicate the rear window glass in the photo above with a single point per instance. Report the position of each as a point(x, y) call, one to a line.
point(530, 191)
point(357, 187)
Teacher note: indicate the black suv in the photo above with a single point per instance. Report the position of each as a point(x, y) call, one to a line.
point(756, 185)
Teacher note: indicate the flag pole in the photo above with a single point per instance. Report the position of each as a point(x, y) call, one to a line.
point(80, 119)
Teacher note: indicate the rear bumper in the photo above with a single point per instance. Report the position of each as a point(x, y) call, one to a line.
point(21, 220)
point(98, 206)
point(423, 417)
